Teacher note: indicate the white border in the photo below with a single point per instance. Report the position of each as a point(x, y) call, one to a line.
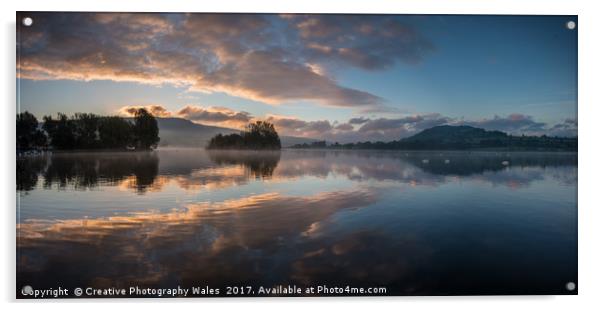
point(590, 209)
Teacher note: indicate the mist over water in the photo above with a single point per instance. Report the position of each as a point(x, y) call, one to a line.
point(419, 223)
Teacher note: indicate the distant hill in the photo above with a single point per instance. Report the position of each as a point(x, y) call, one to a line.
point(468, 137)
point(460, 137)
point(448, 134)
point(178, 132)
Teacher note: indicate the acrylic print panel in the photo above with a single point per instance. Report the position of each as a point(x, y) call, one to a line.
point(278, 155)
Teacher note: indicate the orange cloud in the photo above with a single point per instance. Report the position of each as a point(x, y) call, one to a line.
point(155, 110)
point(181, 242)
point(235, 54)
point(296, 127)
point(221, 116)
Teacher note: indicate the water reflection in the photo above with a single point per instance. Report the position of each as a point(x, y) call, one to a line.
point(194, 169)
point(215, 243)
point(84, 171)
point(28, 170)
point(431, 168)
point(259, 164)
point(139, 171)
point(472, 163)
point(416, 222)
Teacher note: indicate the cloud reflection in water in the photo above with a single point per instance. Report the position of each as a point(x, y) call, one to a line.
point(150, 248)
point(368, 219)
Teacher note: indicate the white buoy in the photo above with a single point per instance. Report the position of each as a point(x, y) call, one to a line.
point(446, 161)
point(505, 163)
point(425, 161)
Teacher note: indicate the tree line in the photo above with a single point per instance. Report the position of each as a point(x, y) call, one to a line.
point(87, 131)
point(506, 143)
point(259, 135)
point(458, 137)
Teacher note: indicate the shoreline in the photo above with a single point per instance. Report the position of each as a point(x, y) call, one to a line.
point(412, 151)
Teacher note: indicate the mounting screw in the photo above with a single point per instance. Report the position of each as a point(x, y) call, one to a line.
point(570, 286)
point(27, 21)
point(571, 25)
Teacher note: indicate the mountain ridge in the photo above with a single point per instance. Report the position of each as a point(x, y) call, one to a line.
point(454, 133)
point(459, 137)
point(180, 132)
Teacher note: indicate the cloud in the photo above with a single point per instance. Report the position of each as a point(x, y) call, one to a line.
point(292, 126)
point(268, 58)
point(514, 124)
point(568, 128)
point(386, 129)
point(364, 41)
point(359, 128)
point(344, 127)
point(389, 129)
point(155, 110)
point(359, 120)
point(383, 129)
point(219, 116)
point(268, 77)
point(90, 46)
point(215, 116)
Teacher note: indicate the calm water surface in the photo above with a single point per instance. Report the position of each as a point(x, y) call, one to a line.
point(419, 223)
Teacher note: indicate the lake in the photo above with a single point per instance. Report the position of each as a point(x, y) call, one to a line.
point(417, 223)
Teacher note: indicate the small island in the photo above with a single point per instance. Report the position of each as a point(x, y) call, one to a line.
point(260, 135)
point(87, 131)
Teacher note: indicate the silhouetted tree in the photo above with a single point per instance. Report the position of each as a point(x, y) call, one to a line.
point(258, 135)
point(29, 136)
point(261, 135)
point(146, 130)
point(232, 141)
point(115, 132)
point(88, 131)
point(61, 131)
point(86, 128)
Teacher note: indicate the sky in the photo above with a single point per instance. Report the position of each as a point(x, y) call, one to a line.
point(342, 78)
